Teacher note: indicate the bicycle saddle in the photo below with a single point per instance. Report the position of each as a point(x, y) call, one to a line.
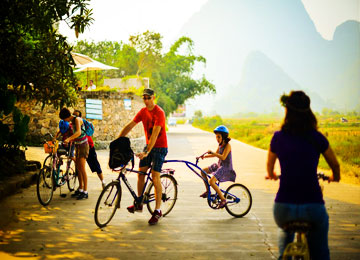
point(61, 151)
point(294, 226)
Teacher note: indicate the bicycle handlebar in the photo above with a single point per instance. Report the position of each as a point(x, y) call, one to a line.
point(198, 158)
point(320, 175)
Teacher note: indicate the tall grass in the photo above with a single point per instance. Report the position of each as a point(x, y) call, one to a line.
point(344, 138)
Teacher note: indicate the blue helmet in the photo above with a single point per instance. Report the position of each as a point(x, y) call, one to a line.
point(63, 126)
point(221, 129)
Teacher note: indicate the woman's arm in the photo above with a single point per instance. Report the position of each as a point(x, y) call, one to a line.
point(270, 165)
point(331, 160)
point(78, 123)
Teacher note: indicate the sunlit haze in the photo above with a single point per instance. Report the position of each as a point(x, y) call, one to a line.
point(116, 20)
point(298, 35)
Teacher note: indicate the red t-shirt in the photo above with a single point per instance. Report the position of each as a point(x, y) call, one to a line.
point(155, 117)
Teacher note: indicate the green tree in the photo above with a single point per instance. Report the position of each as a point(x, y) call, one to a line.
point(35, 60)
point(198, 114)
point(116, 54)
point(171, 73)
point(149, 46)
point(174, 78)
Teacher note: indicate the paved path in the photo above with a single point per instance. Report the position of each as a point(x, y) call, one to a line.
point(66, 229)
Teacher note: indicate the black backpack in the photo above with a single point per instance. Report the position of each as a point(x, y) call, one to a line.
point(120, 153)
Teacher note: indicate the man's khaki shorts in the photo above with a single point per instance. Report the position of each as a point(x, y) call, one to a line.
point(82, 150)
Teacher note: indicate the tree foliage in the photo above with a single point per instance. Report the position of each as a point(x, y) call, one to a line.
point(175, 76)
point(35, 60)
point(148, 46)
point(117, 54)
point(171, 73)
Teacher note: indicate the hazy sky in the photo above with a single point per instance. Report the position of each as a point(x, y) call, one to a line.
point(327, 14)
point(116, 20)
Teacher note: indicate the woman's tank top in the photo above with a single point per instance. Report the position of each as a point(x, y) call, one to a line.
point(82, 138)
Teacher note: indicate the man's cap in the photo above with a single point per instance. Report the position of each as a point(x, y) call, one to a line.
point(148, 92)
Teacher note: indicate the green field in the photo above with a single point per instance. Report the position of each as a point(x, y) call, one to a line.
point(344, 138)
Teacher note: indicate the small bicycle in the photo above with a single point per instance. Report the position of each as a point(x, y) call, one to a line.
point(110, 198)
point(238, 196)
point(299, 249)
point(51, 175)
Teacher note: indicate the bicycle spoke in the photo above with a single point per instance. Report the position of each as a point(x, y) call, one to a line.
point(239, 200)
point(168, 196)
point(44, 187)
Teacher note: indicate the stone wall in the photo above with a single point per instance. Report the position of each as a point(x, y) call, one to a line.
point(114, 115)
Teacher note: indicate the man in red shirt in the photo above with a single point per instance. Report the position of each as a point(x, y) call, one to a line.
point(153, 118)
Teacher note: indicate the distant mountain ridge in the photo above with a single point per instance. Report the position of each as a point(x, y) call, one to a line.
point(227, 32)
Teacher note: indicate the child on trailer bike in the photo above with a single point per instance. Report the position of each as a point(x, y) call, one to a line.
point(298, 147)
point(223, 170)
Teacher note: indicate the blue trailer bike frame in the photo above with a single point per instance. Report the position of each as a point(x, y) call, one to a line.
point(238, 197)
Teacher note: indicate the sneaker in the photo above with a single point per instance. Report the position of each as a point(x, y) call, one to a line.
point(75, 194)
point(222, 204)
point(155, 217)
point(204, 195)
point(103, 184)
point(83, 196)
point(134, 208)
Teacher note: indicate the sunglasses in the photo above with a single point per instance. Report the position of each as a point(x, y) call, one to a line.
point(147, 98)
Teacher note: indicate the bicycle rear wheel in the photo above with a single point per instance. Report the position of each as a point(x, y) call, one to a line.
point(168, 197)
point(238, 199)
point(45, 185)
point(72, 178)
point(107, 203)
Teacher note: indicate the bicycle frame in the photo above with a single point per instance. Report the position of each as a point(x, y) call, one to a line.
point(57, 162)
point(122, 177)
point(190, 165)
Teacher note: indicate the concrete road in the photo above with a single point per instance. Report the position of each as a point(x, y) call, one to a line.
point(66, 229)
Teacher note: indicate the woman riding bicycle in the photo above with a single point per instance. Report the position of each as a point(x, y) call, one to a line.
point(298, 147)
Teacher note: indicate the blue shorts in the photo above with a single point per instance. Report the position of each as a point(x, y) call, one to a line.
point(155, 159)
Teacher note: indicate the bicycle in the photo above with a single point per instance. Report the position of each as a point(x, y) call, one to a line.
point(299, 249)
point(238, 196)
point(110, 197)
point(52, 176)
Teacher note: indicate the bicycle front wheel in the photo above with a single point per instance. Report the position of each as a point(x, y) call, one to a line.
point(168, 195)
point(45, 185)
point(238, 199)
point(107, 204)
